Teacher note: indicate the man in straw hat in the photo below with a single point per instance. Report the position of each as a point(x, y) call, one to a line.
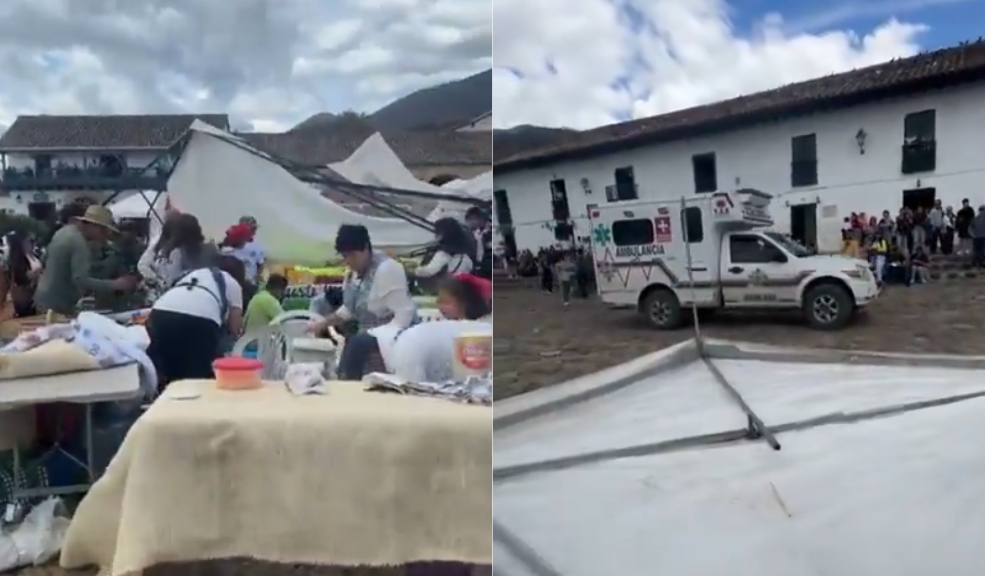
point(67, 275)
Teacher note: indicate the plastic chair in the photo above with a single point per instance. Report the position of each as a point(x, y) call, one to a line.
point(273, 349)
point(294, 323)
point(429, 314)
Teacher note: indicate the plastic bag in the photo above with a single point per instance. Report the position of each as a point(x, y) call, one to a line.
point(37, 539)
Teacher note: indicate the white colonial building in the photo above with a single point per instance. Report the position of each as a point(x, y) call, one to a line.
point(905, 132)
point(49, 161)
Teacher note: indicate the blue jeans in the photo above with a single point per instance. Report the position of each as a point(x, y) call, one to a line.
point(356, 355)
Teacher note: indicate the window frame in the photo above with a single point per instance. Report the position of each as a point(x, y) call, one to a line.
point(648, 221)
point(701, 182)
point(758, 239)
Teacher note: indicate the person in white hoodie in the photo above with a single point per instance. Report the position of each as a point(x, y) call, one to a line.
point(154, 263)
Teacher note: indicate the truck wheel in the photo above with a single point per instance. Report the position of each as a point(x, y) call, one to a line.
point(828, 306)
point(662, 309)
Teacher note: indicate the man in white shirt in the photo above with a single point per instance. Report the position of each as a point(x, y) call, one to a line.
point(253, 252)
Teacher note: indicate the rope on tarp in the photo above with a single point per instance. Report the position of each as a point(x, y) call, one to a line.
point(755, 425)
point(522, 552)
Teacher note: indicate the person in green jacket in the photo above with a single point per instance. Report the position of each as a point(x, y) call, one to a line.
point(68, 275)
point(265, 305)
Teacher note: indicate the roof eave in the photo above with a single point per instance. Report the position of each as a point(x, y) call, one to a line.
point(736, 122)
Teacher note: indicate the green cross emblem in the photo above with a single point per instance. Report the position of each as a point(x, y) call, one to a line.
point(602, 235)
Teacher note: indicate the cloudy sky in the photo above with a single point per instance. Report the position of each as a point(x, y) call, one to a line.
point(268, 63)
point(600, 61)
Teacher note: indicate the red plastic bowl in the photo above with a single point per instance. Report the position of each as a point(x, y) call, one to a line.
point(237, 373)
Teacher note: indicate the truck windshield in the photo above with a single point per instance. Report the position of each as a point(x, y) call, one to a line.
point(789, 244)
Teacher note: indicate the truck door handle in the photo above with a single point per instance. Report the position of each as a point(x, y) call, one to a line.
point(735, 270)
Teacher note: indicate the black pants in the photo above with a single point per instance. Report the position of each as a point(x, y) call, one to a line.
point(978, 250)
point(182, 346)
point(360, 356)
point(24, 309)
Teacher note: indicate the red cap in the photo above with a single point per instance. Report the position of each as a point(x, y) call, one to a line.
point(481, 284)
point(238, 233)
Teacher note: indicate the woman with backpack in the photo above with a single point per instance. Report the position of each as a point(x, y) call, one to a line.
point(190, 323)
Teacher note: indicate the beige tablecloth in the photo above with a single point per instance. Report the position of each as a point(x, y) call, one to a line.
point(352, 478)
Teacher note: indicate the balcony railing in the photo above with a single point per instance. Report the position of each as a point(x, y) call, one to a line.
point(74, 178)
point(919, 156)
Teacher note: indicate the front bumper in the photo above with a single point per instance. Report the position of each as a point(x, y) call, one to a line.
point(865, 292)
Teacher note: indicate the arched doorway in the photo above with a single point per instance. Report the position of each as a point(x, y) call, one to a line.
point(442, 179)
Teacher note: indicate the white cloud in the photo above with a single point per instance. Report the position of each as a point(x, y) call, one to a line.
point(600, 61)
point(270, 63)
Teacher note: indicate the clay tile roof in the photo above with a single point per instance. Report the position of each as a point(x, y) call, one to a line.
point(321, 147)
point(928, 71)
point(119, 132)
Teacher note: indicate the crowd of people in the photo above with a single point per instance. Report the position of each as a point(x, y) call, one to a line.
point(899, 248)
point(567, 268)
point(203, 295)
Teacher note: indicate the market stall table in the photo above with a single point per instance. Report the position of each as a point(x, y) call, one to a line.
point(351, 478)
point(86, 388)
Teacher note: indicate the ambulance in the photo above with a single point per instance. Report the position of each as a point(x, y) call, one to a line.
point(717, 252)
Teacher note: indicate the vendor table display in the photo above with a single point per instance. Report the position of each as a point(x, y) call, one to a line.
point(349, 478)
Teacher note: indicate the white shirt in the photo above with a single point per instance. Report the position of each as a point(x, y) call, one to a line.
point(388, 295)
point(426, 352)
point(201, 301)
point(253, 259)
point(458, 264)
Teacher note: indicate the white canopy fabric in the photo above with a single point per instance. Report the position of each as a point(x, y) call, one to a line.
point(135, 206)
point(375, 163)
point(479, 188)
point(220, 178)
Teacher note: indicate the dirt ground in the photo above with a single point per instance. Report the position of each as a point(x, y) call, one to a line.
point(538, 342)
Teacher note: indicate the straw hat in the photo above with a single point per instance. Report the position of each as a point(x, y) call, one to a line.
point(100, 216)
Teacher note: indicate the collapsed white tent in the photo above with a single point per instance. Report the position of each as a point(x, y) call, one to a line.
point(375, 163)
point(137, 205)
point(479, 188)
point(219, 178)
point(650, 467)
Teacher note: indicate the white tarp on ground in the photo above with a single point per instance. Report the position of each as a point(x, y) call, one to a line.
point(899, 494)
point(218, 180)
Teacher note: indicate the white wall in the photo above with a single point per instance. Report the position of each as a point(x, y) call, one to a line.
point(759, 158)
point(17, 202)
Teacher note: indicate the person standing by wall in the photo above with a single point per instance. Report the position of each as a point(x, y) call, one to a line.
point(962, 226)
